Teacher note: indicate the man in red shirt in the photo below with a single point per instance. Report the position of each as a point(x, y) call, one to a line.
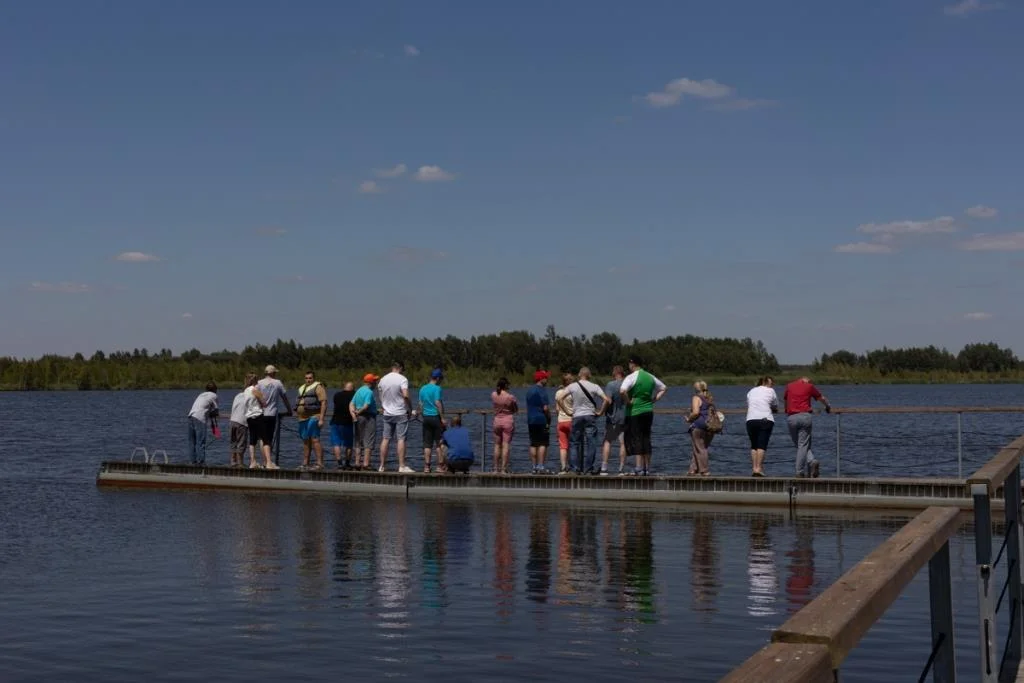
point(800, 417)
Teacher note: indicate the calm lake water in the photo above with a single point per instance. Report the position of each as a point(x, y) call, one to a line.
point(120, 585)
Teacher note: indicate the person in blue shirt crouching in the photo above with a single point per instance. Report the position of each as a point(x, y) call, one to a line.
point(460, 452)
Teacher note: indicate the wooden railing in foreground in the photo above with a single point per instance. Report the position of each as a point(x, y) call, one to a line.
point(1001, 471)
point(812, 644)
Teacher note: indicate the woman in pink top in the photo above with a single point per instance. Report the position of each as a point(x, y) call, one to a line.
point(505, 409)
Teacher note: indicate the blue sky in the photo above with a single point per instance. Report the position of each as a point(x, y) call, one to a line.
point(816, 175)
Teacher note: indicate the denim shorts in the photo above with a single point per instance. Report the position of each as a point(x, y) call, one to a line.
point(341, 435)
point(396, 426)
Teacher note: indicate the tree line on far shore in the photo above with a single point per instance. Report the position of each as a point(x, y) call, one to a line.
point(479, 360)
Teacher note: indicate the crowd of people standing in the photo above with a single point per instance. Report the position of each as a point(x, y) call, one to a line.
point(626, 404)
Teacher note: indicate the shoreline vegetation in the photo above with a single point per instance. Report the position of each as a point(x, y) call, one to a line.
point(480, 360)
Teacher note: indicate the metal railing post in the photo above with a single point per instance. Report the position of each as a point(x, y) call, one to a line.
point(1012, 499)
point(940, 592)
point(483, 441)
point(959, 446)
point(839, 420)
point(986, 590)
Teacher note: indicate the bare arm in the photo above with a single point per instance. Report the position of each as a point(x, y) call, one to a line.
point(694, 409)
point(321, 395)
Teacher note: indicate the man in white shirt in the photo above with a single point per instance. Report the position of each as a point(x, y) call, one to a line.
point(204, 409)
point(396, 408)
point(589, 402)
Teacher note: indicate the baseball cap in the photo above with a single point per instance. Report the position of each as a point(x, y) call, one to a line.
point(370, 377)
point(541, 374)
point(436, 374)
point(270, 370)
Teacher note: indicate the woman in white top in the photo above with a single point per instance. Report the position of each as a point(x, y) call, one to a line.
point(254, 402)
point(762, 404)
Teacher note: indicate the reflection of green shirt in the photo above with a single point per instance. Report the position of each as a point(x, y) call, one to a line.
point(642, 394)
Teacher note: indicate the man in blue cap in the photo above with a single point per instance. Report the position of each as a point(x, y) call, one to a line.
point(460, 451)
point(432, 411)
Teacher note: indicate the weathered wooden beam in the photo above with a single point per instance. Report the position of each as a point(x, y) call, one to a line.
point(843, 613)
point(993, 473)
point(785, 663)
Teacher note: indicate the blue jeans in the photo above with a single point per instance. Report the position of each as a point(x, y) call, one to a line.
point(583, 442)
point(800, 431)
point(196, 441)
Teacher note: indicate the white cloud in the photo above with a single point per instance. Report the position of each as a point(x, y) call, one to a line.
point(968, 7)
point(982, 211)
point(940, 225)
point(1008, 241)
point(980, 315)
point(60, 287)
point(370, 187)
point(864, 248)
point(670, 307)
point(186, 315)
point(433, 174)
point(404, 254)
point(136, 257)
point(743, 104)
point(394, 172)
point(271, 232)
point(412, 51)
point(674, 91)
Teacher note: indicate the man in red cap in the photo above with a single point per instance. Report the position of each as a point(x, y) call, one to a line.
point(538, 421)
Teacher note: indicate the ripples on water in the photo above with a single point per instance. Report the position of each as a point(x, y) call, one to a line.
point(121, 585)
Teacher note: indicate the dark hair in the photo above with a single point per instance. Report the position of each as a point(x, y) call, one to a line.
point(210, 386)
point(310, 372)
point(764, 381)
point(502, 385)
point(456, 420)
point(636, 360)
point(399, 365)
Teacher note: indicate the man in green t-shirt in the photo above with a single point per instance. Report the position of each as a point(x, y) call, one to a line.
point(640, 391)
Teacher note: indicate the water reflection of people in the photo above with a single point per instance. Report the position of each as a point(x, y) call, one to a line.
point(762, 576)
point(504, 564)
point(639, 590)
point(704, 579)
point(312, 550)
point(538, 563)
point(435, 549)
point(800, 580)
point(258, 545)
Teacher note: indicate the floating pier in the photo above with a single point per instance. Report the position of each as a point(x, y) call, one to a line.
point(904, 494)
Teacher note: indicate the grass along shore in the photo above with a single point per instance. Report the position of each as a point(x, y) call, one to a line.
point(459, 378)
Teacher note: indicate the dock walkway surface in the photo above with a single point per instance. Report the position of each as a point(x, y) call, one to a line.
point(911, 494)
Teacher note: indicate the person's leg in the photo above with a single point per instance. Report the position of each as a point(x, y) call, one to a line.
point(307, 441)
point(805, 446)
point(318, 447)
point(647, 426)
point(506, 448)
point(623, 452)
point(542, 454)
point(700, 451)
point(606, 445)
point(590, 444)
point(576, 445)
point(497, 434)
point(402, 429)
point(192, 440)
point(385, 441)
point(751, 426)
point(794, 424)
point(201, 442)
point(694, 446)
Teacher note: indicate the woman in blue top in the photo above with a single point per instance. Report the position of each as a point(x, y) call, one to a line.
point(700, 437)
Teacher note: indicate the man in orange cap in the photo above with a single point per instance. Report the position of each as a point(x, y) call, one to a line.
point(364, 410)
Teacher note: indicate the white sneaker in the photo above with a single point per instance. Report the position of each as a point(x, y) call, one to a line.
point(405, 469)
point(381, 469)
